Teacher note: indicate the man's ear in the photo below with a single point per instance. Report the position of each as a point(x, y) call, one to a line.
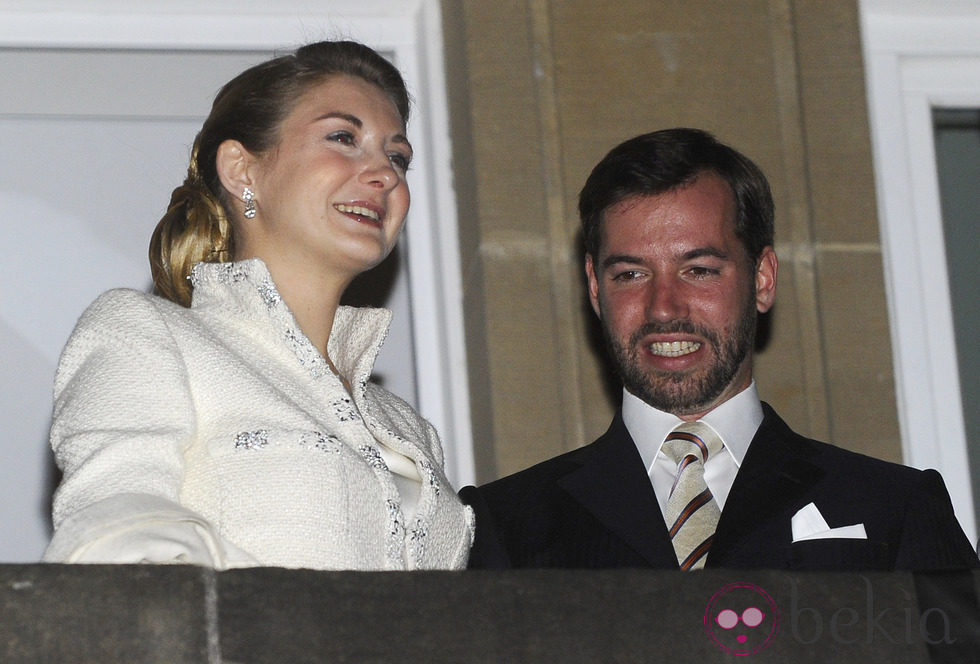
point(234, 164)
point(765, 280)
point(593, 284)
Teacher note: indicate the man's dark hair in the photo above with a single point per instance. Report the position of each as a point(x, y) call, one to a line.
point(669, 159)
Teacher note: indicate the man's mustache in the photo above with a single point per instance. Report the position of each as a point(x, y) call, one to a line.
point(672, 327)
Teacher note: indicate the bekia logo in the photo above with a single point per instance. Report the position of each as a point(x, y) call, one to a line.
point(741, 619)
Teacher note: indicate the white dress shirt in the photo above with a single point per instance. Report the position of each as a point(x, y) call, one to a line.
point(735, 421)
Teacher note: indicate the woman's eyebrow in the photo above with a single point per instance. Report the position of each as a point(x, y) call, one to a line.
point(353, 119)
point(357, 122)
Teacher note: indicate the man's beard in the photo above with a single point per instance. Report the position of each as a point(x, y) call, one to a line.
point(681, 392)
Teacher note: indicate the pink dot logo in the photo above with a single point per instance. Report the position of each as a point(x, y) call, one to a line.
point(741, 619)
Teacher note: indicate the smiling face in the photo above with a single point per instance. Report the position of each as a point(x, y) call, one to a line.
point(332, 194)
point(678, 296)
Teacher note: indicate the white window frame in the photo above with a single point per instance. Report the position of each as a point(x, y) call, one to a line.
point(410, 30)
point(920, 55)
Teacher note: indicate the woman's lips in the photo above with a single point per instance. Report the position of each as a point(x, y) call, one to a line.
point(370, 214)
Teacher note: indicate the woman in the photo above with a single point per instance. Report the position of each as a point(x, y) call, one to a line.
point(231, 422)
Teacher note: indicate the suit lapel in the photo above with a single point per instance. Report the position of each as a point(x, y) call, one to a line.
point(613, 486)
point(755, 528)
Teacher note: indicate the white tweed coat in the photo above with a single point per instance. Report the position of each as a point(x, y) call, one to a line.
point(218, 435)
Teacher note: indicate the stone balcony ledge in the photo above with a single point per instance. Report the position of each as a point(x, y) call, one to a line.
point(176, 614)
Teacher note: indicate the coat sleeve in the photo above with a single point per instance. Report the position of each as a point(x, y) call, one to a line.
point(488, 552)
point(932, 538)
point(123, 418)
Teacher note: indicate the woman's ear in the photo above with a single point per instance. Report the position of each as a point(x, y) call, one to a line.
point(234, 164)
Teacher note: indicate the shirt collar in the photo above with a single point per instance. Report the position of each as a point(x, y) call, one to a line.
point(736, 421)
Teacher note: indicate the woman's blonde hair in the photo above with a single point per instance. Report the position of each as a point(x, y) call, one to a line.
point(250, 109)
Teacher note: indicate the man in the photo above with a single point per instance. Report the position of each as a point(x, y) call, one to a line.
point(678, 231)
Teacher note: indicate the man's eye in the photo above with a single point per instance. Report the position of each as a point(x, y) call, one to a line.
point(626, 275)
point(703, 272)
point(344, 137)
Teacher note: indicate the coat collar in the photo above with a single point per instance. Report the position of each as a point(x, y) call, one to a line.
point(777, 471)
point(611, 483)
point(247, 287)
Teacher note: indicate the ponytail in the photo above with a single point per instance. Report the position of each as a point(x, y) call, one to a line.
point(195, 228)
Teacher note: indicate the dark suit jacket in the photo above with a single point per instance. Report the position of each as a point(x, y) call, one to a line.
point(595, 507)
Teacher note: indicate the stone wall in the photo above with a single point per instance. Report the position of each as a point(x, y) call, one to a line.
point(176, 614)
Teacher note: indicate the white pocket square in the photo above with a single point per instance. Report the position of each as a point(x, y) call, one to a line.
point(809, 524)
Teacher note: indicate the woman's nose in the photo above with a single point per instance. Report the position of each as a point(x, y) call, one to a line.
point(380, 172)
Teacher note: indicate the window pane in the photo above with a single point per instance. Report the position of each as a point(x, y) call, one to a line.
point(958, 163)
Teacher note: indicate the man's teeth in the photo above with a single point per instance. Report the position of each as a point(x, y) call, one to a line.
point(358, 210)
point(674, 348)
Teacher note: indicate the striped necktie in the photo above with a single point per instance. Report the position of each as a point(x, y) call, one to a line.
point(691, 512)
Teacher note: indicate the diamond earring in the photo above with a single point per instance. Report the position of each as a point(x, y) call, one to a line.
point(249, 198)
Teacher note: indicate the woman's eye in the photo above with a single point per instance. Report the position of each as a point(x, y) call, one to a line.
point(399, 160)
point(344, 137)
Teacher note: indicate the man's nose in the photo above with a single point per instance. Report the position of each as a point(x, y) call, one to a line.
point(666, 300)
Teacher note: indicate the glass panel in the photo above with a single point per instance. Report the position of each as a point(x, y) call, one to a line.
point(958, 163)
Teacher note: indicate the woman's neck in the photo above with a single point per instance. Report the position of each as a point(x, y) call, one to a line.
point(313, 298)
